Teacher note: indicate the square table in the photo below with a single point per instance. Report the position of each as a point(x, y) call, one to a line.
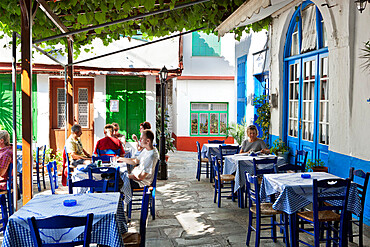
point(108, 224)
point(241, 163)
point(296, 193)
point(78, 175)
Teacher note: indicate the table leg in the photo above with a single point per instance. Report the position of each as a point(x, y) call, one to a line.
point(293, 231)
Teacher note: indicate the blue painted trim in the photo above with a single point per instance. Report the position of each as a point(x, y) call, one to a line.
point(307, 54)
point(241, 88)
point(339, 165)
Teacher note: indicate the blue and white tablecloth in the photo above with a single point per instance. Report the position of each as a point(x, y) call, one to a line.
point(78, 175)
point(209, 149)
point(108, 224)
point(241, 163)
point(296, 192)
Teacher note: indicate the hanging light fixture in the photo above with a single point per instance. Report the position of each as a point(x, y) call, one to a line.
point(361, 4)
point(163, 73)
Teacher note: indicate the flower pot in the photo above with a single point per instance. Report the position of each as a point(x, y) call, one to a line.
point(320, 169)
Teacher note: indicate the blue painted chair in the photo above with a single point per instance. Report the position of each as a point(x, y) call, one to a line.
point(202, 161)
point(137, 192)
point(94, 185)
point(138, 239)
point(262, 210)
point(60, 222)
point(361, 179)
point(299, 164)
point(322, 215)
point(110, 174)
point(224, 182)
point(40, 166)
point(216, 141)
point(53, 175)
point(106, 154)
point(269, 163)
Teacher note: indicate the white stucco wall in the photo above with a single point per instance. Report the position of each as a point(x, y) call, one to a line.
point(209, 66)
point(151, 101)
point(100, 116)
point(43, 109)
point(202, 91)
point(349, 86)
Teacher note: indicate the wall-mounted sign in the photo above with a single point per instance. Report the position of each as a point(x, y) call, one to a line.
point(259, 62)
point(114, 105)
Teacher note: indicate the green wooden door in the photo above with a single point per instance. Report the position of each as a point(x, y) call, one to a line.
point(130, 92)
point(6, 105)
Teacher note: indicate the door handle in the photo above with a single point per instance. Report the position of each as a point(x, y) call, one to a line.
point(300, 123)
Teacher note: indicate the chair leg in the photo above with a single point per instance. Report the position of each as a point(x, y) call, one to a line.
point(207, 170)
point(250, 221)
point(4, 212)
point(317, 234)
point(360, 232)
point(43, 176)
point(258, 231)
point(152, 208)
point(215, 194)
point(198, 171)
point(38, 179)
point(219, 193)
point(10, 202)
point(273, 228)
point(20, 182)
point(232, 191)
point(129, 208)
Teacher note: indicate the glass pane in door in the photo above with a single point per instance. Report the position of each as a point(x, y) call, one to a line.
point(308, 100)
point(293, 100)
point(324, 102)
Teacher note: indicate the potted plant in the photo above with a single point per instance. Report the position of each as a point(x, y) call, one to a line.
point(169, 144)
point(237, 131)
point(316, 165)
point(279, 148)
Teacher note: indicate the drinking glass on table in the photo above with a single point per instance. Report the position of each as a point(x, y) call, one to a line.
point(113, 160)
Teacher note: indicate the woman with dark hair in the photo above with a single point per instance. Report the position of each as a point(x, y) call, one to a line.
point(6, 157)
point(143, 126)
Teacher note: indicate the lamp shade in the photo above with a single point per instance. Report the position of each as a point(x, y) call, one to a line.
point(163, 73)
point(361, 5)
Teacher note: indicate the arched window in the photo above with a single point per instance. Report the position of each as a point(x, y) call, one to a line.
point(306, 118)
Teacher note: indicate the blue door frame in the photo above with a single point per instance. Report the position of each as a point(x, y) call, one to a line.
point(241, 88)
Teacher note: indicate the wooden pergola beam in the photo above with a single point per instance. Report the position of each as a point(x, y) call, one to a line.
point(53, 17)
point(26, 84)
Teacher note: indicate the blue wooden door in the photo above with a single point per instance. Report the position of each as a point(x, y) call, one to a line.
point(307, 112)
point(241, 88)
point(293, 109)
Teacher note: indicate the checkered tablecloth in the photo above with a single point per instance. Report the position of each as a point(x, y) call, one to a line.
point(241, 163)
point(212, 149)
point(78, 175)
point(296, 192)
point(108, 224)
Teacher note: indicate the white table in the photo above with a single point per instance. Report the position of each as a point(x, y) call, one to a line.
point(78, 175)
point(108, 224)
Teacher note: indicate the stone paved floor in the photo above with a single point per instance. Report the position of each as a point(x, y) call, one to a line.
point(187, 216)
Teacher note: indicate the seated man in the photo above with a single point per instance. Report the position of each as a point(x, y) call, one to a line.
point(77, 154)
point(109, 142)
point(143, 172)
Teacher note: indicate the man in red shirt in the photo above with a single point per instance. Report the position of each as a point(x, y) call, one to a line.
point(109, 142)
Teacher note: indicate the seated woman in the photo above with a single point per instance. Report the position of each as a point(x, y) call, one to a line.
point(6, 157)
point(118, 135)
point(253, 143)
